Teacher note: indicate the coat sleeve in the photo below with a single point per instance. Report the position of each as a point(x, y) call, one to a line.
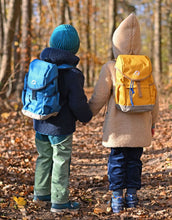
point(102, 90)
point(77, 99)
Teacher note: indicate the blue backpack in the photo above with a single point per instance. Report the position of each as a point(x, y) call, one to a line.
point(40, 95)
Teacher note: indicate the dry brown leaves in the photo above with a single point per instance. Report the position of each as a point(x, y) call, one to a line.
point(89, 182)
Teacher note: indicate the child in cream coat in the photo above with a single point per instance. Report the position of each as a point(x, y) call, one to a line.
point(126, 134)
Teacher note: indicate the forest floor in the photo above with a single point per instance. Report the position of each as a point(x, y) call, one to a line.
point(88, 182)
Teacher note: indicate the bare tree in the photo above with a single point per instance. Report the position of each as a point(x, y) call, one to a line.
point(157, 42)
point(1, 30)
point(69, 12)
point(88, 42)
point(3, 20)
point(16, 52)
point(112, 22)
point(94, 39)
point(50, 8)
point(25, 44)
point(169, 25)
point(8, 39)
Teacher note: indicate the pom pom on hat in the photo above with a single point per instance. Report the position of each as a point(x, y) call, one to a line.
point(65, 37)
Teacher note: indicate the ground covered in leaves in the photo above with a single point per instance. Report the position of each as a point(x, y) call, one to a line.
point(89, 182)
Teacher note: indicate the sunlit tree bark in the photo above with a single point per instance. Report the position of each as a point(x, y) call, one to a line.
point(25, 43)
point(5, 70)
point(112, 23)
point(88, 43)
point(157, 42)
point(16, 52)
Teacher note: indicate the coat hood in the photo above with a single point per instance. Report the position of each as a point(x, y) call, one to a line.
point(126, 38)
point(59, 56)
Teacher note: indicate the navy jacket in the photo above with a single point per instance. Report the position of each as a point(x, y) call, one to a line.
point(72, 96)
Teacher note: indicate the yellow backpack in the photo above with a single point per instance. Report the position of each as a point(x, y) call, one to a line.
point(135, 90)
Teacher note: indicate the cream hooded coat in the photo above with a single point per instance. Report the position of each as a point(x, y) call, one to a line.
point(122, 129)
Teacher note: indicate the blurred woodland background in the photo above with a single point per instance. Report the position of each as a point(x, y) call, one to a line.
point(26, 26)
point(25, 29)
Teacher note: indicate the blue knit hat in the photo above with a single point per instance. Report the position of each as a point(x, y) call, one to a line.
point(65, 37)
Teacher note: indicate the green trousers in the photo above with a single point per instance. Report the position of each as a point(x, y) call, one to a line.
point(53, 167)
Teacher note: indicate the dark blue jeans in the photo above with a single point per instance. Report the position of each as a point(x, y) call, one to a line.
point(125, 168)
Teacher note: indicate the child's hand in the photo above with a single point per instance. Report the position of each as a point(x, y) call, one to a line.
point(153, 131)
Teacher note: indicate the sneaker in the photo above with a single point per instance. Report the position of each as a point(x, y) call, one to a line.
point(64, 207)
point(131, 200)
point(117, 203)
point(46, 198)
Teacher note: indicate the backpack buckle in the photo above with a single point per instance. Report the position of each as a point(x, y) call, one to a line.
point(33, 94)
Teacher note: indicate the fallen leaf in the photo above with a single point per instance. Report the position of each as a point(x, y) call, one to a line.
point(5, 115)
point(102, 209)
point(20, 201)
point(98, 211)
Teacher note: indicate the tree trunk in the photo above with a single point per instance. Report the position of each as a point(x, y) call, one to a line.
point(94, 65)
point(3, 21)
point(80, 28)
point(69, 12)
point(63, 7)
point(26, 43)
point(1, 31)
point(169, 20)
point(112, 23)
point(88, 43)
point(8, 39)
point(157, 42)
point(51, 11)
point(17, 38)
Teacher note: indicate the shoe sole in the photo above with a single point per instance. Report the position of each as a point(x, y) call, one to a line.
point(132, 206)
point(37, 201)
point(117, 211)
point(63, 210)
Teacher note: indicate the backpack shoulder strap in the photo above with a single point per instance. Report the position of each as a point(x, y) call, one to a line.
point(65, 66)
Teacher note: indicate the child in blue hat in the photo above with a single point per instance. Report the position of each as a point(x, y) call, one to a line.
point(54, 135)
